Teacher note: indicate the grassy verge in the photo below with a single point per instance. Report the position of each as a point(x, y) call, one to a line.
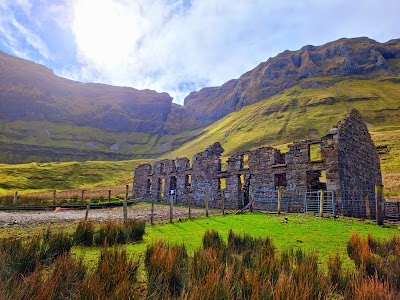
point(309, 249)
point(327, 236)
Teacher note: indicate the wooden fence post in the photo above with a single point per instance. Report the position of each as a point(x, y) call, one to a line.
point(54, 197)
point(206, 204)
point(109, 196)
point(126, 205)
point(189, 204)
point(171, 207)
point(279, 200)
point(223, 202)
point(152, 212)
point(380, 204)
point(367, 208)
point(321, 203)
point(83, 195)
point(87, 211)
point(15, 198)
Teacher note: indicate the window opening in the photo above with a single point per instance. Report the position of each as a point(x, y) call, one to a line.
point(172, 183)
point(221, 184)
point(316, 180)
point(161, 187)
point(162, 167)
point(314, 151)
point(148, 186)
point(188, 181)
point(280, 180)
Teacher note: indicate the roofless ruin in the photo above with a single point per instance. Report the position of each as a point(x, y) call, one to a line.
point(344, 163)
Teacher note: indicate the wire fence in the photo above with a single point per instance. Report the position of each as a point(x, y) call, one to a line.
point(270, 200)
point(357, 204)
point(65, 197)
point(392, 211)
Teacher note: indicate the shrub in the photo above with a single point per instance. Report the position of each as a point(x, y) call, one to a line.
point(113, 277)
point(358, 250)
point(212, 239)
point(135, 229)
point(84, 233)
point(371, 289)
point(239, 243)
point(378, 260)
point(113, 232)
point(18, 257)
point(336, 275)
point(56, 244)
point(167, 270)
point(110, 233)
point(63, 281)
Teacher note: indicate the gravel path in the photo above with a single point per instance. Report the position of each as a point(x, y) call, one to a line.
point(137, 211)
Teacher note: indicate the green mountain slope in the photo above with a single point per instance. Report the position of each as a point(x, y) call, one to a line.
point(309, 110)
point(44, 117)
point(37, 177)
point(301, 112)
point(30, 141)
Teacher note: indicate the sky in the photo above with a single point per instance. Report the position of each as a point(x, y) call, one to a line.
point(180, 46)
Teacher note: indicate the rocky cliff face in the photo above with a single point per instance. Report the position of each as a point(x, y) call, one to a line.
point(44, 117)
point(32, 92)
point(344, 57)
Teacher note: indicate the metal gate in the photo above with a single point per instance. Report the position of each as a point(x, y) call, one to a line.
point(267, 200)
point(312, 202)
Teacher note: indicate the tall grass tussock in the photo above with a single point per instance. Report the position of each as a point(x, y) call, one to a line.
point(243, 267)
point(110, 233)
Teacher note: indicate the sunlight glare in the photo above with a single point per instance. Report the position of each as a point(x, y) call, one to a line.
point(104, 31)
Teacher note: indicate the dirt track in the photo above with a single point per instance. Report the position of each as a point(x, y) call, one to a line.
point(137, 211)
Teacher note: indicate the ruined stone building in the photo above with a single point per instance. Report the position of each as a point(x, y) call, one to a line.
point(344, 161)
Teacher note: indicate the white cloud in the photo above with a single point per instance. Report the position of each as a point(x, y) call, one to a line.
point(179, 46)
point(15, 35)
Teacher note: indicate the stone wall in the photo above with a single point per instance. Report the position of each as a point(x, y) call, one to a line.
point(345, 159)
point(358, 162)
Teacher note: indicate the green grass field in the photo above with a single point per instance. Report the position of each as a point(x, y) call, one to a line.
point(323, 237)
point(327, 236)
point(39, 177)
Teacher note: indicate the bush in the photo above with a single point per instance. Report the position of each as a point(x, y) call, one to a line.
point(376, 260)
point(212, 239)
point(111, 233)
point(56, 244)
point(23, 258)
point(113, 277)
point(64, 280)
point(84, 233)
point(167, 270)
point(18, 257)
point(135, 229)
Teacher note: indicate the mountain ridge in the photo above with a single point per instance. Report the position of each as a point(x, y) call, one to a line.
point(41, 112)
point(344, 57)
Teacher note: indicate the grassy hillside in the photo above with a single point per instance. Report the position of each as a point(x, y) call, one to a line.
point(297, 113)
point(301, 113)
point(22, 141)
point(36, 177)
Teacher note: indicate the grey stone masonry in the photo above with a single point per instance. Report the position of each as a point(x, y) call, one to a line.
point(343, 160)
